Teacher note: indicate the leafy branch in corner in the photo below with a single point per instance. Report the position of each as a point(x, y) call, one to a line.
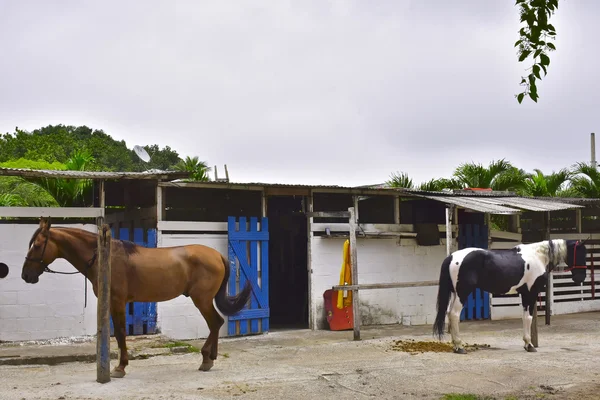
point(535, 40)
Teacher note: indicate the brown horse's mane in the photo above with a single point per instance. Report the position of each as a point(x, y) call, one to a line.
point(128, 246)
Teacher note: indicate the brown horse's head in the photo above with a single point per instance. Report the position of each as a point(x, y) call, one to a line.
point(42, 252)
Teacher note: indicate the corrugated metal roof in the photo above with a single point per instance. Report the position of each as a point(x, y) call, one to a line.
point(502, 205)
point(45, 173)
point(460, 193)
point(473, 204)
point(531, 204)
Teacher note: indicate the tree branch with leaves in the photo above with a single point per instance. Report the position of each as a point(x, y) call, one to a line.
point(535, 41)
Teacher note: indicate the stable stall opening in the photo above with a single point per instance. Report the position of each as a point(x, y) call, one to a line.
point(288, 260)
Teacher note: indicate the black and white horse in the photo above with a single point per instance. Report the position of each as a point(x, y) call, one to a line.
point(522, 269)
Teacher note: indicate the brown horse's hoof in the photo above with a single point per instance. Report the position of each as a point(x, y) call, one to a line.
point(206, 366)
point(460, 351)
point(117, 373)
point(530, 348)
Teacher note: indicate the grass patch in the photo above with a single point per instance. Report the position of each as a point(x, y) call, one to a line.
point(467, 396)
point(190, 348)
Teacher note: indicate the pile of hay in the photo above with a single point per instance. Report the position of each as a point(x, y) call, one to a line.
point(415, 347)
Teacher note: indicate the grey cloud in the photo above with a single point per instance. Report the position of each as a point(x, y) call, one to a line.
point(339, 92)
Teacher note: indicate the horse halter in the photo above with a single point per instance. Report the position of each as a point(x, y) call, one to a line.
point(575, 259)
point(41, 259)
point(47, 269)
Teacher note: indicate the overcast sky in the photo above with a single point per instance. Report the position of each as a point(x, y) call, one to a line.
point(315, 92)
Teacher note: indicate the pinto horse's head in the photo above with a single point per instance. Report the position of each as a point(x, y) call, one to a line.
point(576, 260)
point(42, 252)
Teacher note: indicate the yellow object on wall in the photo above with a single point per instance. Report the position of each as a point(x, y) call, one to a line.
point(345, 278)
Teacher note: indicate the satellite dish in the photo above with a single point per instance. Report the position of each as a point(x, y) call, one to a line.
point(3, 270)
point(141, 153)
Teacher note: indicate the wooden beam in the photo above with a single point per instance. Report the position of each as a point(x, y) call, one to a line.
point(372, 228)
point(284, 191)
point(449, 214)
point(102, 198)
point(103, 307)
point(56, 212)
point(393, 285)
point(354, 261)
point(330, 214)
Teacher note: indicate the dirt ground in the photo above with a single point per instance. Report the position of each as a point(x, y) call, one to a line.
point(388, 363)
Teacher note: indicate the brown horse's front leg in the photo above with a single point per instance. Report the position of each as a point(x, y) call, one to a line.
point(118, 316)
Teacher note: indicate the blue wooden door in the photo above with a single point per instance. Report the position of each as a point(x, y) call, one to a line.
point(478, 303)
point(248, 249)
point(140, 317)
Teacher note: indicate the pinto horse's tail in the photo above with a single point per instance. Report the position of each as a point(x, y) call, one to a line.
point(230, 305)
point(443, 299)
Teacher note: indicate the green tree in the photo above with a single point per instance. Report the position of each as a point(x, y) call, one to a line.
point(498, 175)
point(403, 180)
point(20, 192)
point(439, 184)
point(54, 143)
point(553, 185)
point(164, 159)
point(586, 180)
point(535, 40)
point(400, 180)
point(198, 169)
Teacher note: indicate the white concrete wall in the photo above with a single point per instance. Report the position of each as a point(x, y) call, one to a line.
point(179, 318)
point(380, 261)
point(52, 308)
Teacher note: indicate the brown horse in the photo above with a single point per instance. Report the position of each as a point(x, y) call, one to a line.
point(142, 274)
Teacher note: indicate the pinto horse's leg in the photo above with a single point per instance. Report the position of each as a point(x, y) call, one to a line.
point(214, 322)
point(528, 301)
point(454, 317)
point(118, 317)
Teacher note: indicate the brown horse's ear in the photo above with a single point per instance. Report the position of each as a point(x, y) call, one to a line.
point(45, 223)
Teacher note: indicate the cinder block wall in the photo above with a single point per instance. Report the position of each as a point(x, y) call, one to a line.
point(179, 318)
point(380, 261)
point(52, 308)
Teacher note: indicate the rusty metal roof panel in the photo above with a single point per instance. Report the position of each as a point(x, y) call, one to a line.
point(44, 173)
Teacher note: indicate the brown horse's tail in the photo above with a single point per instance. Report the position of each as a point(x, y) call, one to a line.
point(230, 305)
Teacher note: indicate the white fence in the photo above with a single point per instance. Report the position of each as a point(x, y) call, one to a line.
point(566, 296)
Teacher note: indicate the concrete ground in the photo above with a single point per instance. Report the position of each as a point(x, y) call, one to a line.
point(310, 365)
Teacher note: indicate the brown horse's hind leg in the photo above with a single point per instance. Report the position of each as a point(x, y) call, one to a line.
point(214, 322)
point(118, 316)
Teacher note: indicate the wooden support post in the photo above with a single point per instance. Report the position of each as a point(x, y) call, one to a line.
point(534, 329)
point(449, 214)
point(548, 307)
point(103, 330)
point(102, 198)
point(312, 323)
point(354, 260)
point(397, 210)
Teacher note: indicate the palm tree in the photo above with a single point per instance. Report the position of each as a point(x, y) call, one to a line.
point(439, 184)
point(553, 185)
point(11, 200)
point(198, 169)
point(400, 180)
point(586, 180)
point(499, 175)
point(70, 192)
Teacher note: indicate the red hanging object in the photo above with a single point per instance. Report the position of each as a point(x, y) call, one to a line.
point(338, 319)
